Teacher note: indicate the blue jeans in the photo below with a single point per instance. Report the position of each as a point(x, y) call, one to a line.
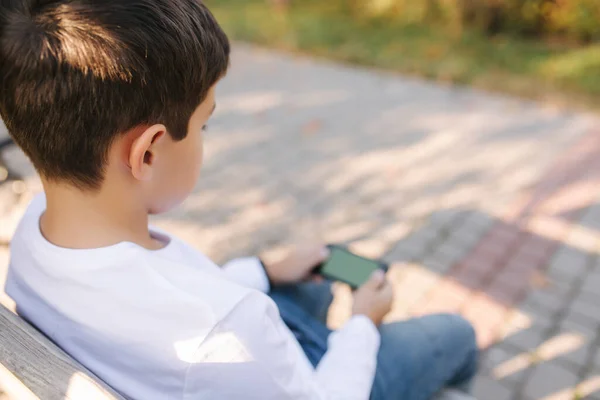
point(417, 358)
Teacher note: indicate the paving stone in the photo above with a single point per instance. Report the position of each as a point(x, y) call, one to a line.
point(478, 221)
point(422, 236)
point(443, 218)
point(465, 236)
point(407, 251)
point(522, 267)
point(449, 252)
point(572, 346)
point(437, 265)
point(596, 266)
point(540, 318)
point(591, 284)
point(527, 339)
point(582, 320)
point(536, 260)
point(496, 355)
point(478, 264)
point(586, 308)
point(549, 378)
point(507, 293)
point(468, 279)
point(589, 387)
point(552, 299)
point(486, 388)
point(490, 249)
point(592, 297)
point(504, 237)
point(575, 325)
point(507, 364)
point(576, 359)
point(569, 263)
point(591, 217)
point(595, 395)
point(596, 361)
point(535, 246)
point(457, 244)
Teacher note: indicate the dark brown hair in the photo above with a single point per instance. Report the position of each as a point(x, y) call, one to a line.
point(75, 74)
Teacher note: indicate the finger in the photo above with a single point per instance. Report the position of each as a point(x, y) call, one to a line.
point(313, 254)
point(375, 281)
point(387, 289)
point(325, 252)
point(322, 253)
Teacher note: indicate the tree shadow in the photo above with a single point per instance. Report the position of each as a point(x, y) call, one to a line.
point(7, 173)
point(520, 277)
point(439, 178)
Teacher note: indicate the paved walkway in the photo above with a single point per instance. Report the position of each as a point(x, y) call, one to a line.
point(487, 205)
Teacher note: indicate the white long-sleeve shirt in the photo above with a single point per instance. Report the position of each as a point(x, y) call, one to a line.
point(170, 324)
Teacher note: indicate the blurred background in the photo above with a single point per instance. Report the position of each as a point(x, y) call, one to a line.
point(534, 48)
point(458, 140)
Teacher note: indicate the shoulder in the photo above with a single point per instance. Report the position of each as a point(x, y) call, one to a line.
point(30, 218)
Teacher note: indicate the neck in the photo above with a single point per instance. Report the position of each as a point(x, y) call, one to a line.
point(84, 219)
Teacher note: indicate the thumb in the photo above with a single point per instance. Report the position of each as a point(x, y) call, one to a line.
point(323, 253)
point(376, 279)
point(314, 253)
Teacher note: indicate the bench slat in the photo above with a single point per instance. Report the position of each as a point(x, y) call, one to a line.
point(42, 367)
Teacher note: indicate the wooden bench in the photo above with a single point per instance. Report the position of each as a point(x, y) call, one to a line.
point(32, 367)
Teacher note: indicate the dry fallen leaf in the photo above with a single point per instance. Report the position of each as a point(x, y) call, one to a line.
point(280, 5)
point(434, 52)
point(539, 280)
point(312, 127)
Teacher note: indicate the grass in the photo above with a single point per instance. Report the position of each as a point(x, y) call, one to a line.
point(556, 72)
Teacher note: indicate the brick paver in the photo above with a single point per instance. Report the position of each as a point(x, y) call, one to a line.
point(486, 205)
point(589, 389)
point(486, 388)
point(550, 381)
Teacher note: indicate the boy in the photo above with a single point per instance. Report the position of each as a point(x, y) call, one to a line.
point(109, 99)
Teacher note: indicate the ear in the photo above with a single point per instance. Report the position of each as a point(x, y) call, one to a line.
point(144, 151)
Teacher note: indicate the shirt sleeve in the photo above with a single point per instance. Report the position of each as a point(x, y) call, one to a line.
point(248, 272)
point(347, 369)
point(252, 355)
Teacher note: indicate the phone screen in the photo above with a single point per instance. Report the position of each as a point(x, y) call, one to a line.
point(347, 267)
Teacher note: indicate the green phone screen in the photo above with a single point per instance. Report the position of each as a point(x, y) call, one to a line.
point(349, 268)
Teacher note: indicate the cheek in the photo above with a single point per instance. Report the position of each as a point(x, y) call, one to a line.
point(179, 179)
point(195, 159)
point(200, 152)
point(190, 165)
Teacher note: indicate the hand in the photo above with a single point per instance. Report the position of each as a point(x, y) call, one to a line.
point(296, 264)
point(374, 298)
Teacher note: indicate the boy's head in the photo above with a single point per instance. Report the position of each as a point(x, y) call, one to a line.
point(101, 90)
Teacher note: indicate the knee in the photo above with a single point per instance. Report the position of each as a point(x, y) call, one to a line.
point(468, 336)
point(463, 332)
point(465, 337)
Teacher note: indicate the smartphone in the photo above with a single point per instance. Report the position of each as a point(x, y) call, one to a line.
point(344, 266)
